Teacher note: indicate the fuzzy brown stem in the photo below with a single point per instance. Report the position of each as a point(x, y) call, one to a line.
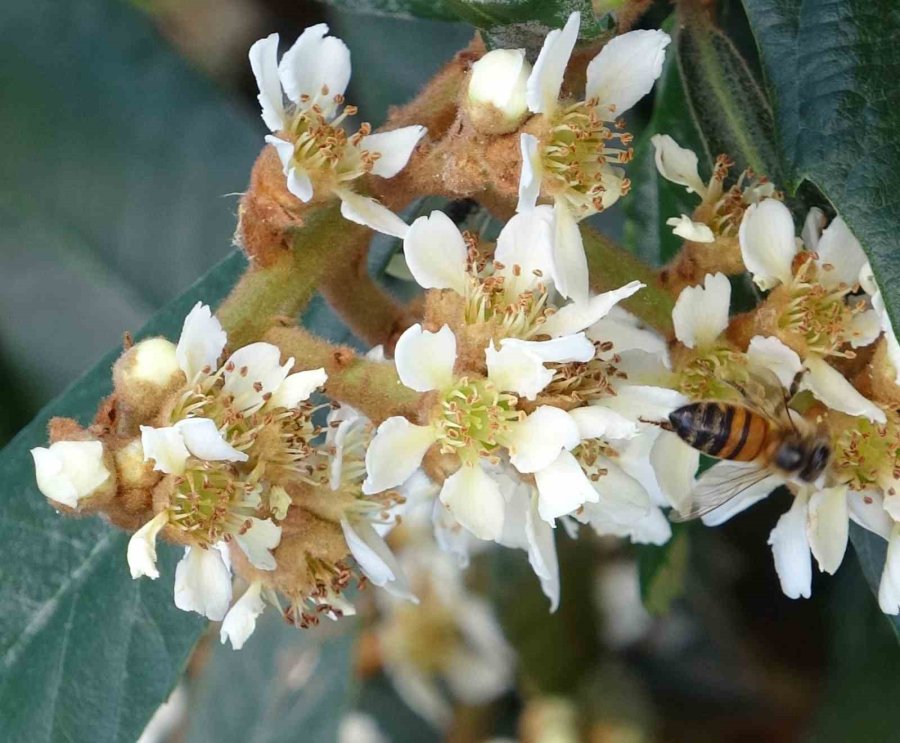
point(371, 387)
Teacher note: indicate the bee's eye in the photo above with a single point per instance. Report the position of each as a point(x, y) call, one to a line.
point(788, 456)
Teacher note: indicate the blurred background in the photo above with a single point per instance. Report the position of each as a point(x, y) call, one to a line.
point(127, 130)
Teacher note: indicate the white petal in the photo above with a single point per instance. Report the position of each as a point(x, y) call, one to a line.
point(639, 402)
point(394, 147)
point(450, 535)
point(570, 271)
point(865, 327)
point(889, 588)
point(165, 446)
point(296, 388)
point(368, 212)
point(142, 547)
point(69, 470)
point(563, 488)
point(812, 228)
point(518, 370)
point(298, 181)
point(561, 350)
point(840, 255)
point(532, 172)
point(264, 63)
point(375, 558)
point(254, 372)
point(688, 229)
point(525, 250)
point(677, 164)
point(676, 465)
point(545, 81)
point(475, 501)
point(829, 527)
point(203, 583)
point(542, 553)
point(536, 442)
point(832, 388)
point(625, 69)
point(258, 541)
point(867, 509)
point(204, 441)
point(573, 318)
point(791, 551)
point(701, 312)
point(622, 499)
point(201, 342)
point(768, 244)
point(436, 253)
point(240, 621)
point(313, 63)
point(395, 453)
point(770, 353)
point(424, 359)
point(359, 727)
point(597, 421)
point(628, 337)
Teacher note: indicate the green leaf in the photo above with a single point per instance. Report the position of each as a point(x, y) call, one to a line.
point(732, 113)
point(832, 71)
point(871, 551)
point(663, 570)
point(439, 10)
point(285, 684)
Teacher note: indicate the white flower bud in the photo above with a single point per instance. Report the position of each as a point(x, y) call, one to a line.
point(145, 373)
point(69, 471)
point(135, 471)
point(496, 96)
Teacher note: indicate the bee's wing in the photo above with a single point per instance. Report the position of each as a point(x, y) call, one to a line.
point(725, 481)
point(764, 394)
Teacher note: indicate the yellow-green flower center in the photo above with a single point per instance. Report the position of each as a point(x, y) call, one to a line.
point(711, 375)
point(867, 455)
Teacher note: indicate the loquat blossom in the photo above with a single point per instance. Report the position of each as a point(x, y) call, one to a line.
point(70, 471)
point(320, 160)
point(572, 151)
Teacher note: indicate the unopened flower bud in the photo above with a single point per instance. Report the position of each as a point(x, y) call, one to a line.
point(145, 374)
point(70, 471)
point(135, 471)
point(495, 100)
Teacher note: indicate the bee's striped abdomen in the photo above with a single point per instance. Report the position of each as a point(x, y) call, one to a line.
point(720, 430)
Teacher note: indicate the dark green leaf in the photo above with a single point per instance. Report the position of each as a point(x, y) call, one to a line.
point(832, 71)
point(440, 10)
point(286, 684)
point(663, 570)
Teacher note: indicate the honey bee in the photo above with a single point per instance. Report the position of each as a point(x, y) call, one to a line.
point(761, 435)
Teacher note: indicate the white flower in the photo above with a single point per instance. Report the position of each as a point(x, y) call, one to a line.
point(583, 179)
point(203, 583)
point(240, 621)
point(700, 315)
point(687, 228)
point(496, 93)
point(69, 471)
point(171, 447)
point(142, 547)
point(316, 153)
point(677, 164)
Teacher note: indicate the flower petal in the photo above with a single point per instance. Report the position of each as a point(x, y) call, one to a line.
point(701, 312)
point(395, 453)
point(142, 547)
point(677, 164)
point(768, 244)
point(436, 253)
point(561, 350)
point(201, 342)
point(424, 359)
point(240, 621)
point(545, 81)
point(542, 553)
point(313, 65)
point(298, 181)
point(865, 327)
point(296, 388)
point(573, 317)
point(536, 441)
point(725, 472)
point(676, 465)
point(770, 353)
point(563, 488)
point(264, 63)
point(375, 558)
point(791, 551)
point(688, 229)
point(831, 387)
point(625, 69)
point(205, 441)
point(597, 421)
point(866, 508)
point(253, 373)
point(203, 583)
point(840, 255)
point(889, 588)
point(394, 148)
point(829, 527)
point(258, 541)
point(644, 402)
point(812, 228)
point(625, 335)
point(475, 501)
point(532, 172)
point(69, 470)
point(525, 251)
point(518, 370)
point(368, 212)
point(570, 269)
point(165, 446)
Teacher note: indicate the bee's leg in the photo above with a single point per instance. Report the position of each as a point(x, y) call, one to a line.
point(795, 384)
point(664, 425)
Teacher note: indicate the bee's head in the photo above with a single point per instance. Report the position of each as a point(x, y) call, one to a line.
point(806, 459)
